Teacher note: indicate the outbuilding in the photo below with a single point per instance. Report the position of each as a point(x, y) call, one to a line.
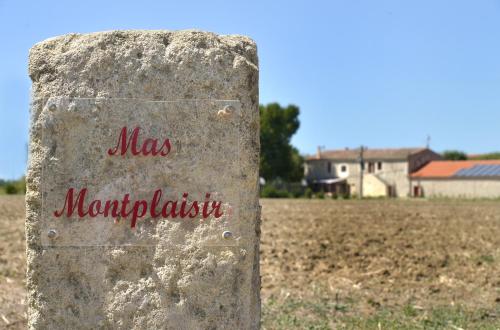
point(457, 179)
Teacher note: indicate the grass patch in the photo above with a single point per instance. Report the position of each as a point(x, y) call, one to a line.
point(486, 259)
point(292, 313)
point(298, 314)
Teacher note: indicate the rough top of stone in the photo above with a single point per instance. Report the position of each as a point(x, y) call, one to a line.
point(55, 62)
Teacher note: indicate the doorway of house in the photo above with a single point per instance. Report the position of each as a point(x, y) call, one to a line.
point(391, 191)
point(417, 191)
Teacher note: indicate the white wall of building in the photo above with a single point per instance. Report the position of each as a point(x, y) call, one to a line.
point(393, 173)
point(373, 186)
point(318, 169)
point(459, 188)
point(396, 174)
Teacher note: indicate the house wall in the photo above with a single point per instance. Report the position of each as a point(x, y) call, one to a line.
point(373, 186)
point(466, 188)
point(317, 169)
point(393, 173)
point(353, 178)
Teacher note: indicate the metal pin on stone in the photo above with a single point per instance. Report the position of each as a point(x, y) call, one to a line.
point(227, 234)
point(226, 112)
point(52, 233)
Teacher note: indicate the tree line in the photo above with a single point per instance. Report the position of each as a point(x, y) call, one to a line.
point(12, 187)
point(460, 155)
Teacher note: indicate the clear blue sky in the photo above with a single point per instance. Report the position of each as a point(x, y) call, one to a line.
point(378, 73)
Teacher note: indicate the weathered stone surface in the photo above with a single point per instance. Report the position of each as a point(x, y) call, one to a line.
point(181, 281)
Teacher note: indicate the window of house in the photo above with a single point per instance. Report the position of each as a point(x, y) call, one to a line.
point(379, 166)
point(329, 167)
point(371, 167)
point(343, 168)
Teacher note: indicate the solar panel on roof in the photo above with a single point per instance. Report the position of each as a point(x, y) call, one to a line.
point(479, 171)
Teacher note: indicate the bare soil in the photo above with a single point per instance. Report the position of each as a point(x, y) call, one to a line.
point(376, 254)
point(12, 263)
point(366, 255)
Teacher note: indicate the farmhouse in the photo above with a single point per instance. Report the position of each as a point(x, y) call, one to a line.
point(468, 179)
point(380, 172)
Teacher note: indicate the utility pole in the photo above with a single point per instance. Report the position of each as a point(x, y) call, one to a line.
point(361, 171)
point(410, 168)
point(428, 144)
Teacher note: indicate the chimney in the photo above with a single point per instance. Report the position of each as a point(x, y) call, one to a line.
point(318, 153)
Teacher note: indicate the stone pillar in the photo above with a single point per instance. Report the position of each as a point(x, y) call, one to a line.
point(142, 185)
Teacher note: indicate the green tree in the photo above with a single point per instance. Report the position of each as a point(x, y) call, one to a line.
point(279, 159)
point(454, 155)
point(11, 189)
point(13, 186)
point(490, 156)
point(297, 172)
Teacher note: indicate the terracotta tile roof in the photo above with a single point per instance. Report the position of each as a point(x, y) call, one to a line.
point(368, 154)
point(446, 169)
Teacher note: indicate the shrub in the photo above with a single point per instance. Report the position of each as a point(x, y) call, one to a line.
point(21, 185)
point(344, 196)
point(295, 189)
point(321, 195)
point(308, 193)
point(11, 189)
point(271, 192)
